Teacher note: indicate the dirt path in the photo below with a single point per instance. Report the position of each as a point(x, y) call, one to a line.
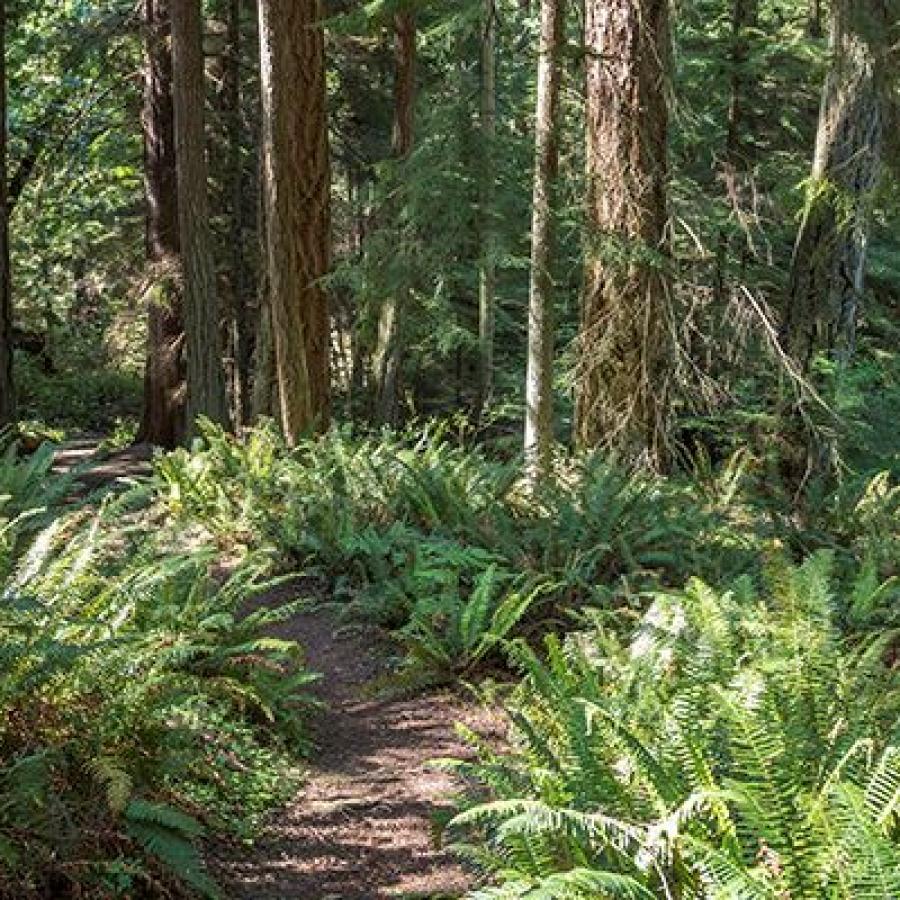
point(98, 470)
point(361, 826)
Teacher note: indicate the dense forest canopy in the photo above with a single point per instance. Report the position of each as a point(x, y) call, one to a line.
point(552, 346)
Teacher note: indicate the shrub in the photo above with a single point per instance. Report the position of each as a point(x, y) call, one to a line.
point(736, 747)
point(129, 682)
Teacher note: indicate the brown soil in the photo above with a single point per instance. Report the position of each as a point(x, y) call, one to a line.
point(96, 470)
point(362, 827)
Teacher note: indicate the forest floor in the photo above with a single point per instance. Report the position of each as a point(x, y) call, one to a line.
point(362, 825)
point(98, 469)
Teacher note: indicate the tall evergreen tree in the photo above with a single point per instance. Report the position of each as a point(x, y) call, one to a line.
point(487, 287)
point(7, 394)
point(539, 375)
point(240, 342)
point(296, 186)
point(624, 360)
point(206, 393)
point(744, 16)
point(388, 352)
point(829, 264)
point(162, 422)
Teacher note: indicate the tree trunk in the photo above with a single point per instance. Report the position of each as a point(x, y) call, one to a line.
point(539, 377)
point(162, 421)
point(624, 360)
point(206, 393)
point(814, 19)
point(297, 207)
point(264, 399)
point(828, 270)
point(389, 342)
point(488, 271)
point(7, 394)
point(241, 343)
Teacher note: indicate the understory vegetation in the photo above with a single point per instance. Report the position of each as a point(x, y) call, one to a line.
point(139, 707)
point(708, 703)
point(541, 356)
point(709, 697)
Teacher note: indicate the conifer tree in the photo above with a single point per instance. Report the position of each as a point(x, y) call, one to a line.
point(539, 375)
point(624, 359)
point(829, 264)
point(206, 394)
point(7, 394)
point(296, 190)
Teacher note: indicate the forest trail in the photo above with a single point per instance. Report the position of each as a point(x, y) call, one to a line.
point(361, 826)
point(98, 469)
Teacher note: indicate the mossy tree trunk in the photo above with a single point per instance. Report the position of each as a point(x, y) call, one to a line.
point(623, 377)
point(829, 263)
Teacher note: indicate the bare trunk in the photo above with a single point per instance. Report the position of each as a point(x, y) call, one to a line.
point(7, 393)
point(296, 186)
point(239, 336)
point(163, 420)
point(539, 377)
point(814, 19)
point(488, 272)
point(828, 271)
point(206, 394)
point(624, 360)
point(388, 350)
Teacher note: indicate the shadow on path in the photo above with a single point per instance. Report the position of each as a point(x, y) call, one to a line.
point(96, 470)
point(361, 827)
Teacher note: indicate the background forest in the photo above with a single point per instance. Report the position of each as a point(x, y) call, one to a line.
point(554, 345)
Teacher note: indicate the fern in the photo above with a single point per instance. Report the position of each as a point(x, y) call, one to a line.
point(121, 670)
point(727, 750)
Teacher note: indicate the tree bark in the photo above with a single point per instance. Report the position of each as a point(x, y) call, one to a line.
point(7, 392)
point(239, 337)
point(488, 270)
point(264, 399)
point(814, 19)
point(388, 350)
point(539, 375)
point(624, 359)
point(296, 187)
point(163, 416)
point(206, 393)
point(829, 263)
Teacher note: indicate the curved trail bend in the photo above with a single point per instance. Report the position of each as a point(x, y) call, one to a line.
point(361, 826)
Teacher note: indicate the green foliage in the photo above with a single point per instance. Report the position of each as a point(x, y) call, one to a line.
point(421, 534)
point(861, 521)
point(450, 630)
point(130, 682)
point(27, 485)
point(78, 401)
point(736, 746)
